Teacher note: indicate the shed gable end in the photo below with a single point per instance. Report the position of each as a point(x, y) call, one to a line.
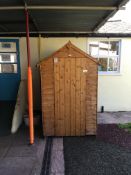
point(69, 51)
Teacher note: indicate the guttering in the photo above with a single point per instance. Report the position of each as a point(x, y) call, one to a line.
point(44, 7)
point(66, 34)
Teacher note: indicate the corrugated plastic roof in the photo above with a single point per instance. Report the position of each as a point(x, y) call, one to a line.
point(56, 19)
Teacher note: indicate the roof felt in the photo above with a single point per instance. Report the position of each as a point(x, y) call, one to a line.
point(55, 21)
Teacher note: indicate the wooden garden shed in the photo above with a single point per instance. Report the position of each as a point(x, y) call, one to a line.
point(69, 92)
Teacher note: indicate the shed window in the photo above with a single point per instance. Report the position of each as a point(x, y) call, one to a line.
point(108, 54)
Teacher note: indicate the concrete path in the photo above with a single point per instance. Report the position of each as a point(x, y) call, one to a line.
point(57, 157)
point(17, 157)
point(113, 117)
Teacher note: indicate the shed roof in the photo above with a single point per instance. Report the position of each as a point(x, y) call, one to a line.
point(56, 16)
point(68, 46)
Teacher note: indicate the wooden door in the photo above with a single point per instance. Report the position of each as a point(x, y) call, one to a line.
point(70, 76)
point(10, 74)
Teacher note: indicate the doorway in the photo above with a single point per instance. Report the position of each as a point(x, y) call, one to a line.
point(9, 81)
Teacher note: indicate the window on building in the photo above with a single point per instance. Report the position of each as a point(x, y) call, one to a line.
point(108, 54)
point(8, 57)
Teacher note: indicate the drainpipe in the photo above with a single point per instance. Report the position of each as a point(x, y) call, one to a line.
point(39, 46)
point(30, 90)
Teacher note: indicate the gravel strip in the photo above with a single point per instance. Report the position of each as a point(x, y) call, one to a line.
point(89, 156)
point(113, 134)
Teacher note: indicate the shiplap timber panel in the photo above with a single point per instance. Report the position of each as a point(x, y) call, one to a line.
point(57, 98)
point(67, 97)
point(78, 95)
point(69, 92)
point(84, 88)
point(73, 96)
point(47, 84)
point(62, 97)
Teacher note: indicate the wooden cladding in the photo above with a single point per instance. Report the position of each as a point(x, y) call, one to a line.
point(69, 93)
point(70, 90)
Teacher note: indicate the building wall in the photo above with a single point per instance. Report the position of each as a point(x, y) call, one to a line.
point(114, 91)
point(35, 71)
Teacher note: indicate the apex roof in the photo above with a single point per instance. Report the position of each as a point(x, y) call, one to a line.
point(69, 50)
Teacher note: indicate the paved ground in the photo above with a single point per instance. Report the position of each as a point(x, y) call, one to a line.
point(82, 155)
point(57, 157)
point(113, 117)
point(89, 156)
point(6, 113)
point(17, 157)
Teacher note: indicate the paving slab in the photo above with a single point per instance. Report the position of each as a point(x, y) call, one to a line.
point(17, 157)
point(15, 171)
point(113, 117)
point(26, 162)
point(57, 157)
point(39, 159)
point(22, 151)
point(57, 163)
point(58, 144)
point(57, 174)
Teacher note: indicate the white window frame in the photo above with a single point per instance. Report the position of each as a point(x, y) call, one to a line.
point(12, 50)
point(119, 56)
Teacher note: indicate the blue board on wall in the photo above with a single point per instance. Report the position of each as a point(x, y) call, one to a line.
point(9, 69)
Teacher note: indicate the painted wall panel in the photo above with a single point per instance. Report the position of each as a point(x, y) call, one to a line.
point(114, 91)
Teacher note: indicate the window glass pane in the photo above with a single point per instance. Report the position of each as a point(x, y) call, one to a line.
point(94, 48)
point(8, 57)
point(108, 54)
point(103, 64)
point(8, 68)
point(113, 64)
point(103, 48)
point(7, 47)
point(114, 48)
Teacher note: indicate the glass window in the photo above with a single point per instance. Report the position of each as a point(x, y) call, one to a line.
point(8, 57)
point(107, 53)
point(113, 48)
point(103, 48)
point(94, 48)
point(103, 64)
point(8, 68)
point(113, 64)
point(7, 47)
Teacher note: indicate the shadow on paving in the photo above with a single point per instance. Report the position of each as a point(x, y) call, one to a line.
point(6, 114)
point(17, 157)
point(88, 156)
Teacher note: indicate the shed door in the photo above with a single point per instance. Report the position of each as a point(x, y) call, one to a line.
point(70, 76)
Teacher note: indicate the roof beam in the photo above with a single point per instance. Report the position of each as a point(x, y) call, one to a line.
point(13, 22)
point(3, 28)
point(34, 22)
point(62, 8)
point(73, 34)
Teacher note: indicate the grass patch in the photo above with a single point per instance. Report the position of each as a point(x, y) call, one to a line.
point(126, 126)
